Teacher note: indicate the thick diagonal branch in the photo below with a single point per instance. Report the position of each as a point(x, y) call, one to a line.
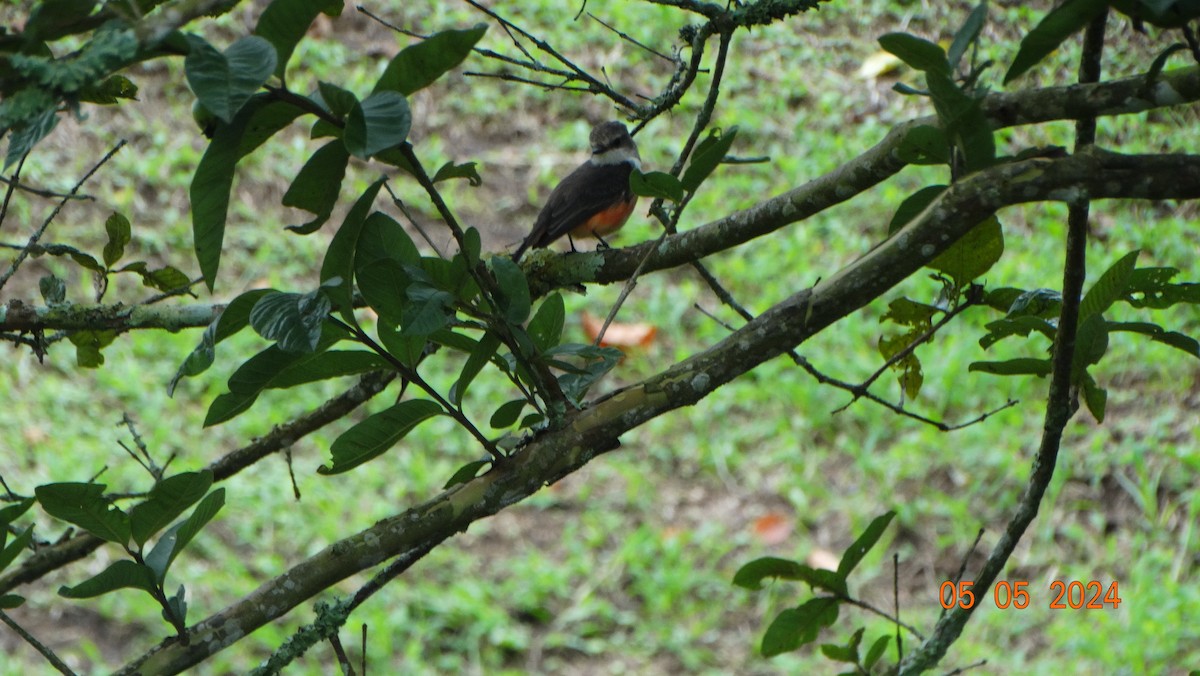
point(588, 433)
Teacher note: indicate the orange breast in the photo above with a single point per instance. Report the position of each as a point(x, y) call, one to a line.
point(607, 221)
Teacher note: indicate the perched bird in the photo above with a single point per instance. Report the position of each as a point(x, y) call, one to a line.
point(595, 199)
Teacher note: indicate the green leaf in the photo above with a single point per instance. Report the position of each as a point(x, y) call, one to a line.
point(339, 257)
point(796, 627)
point(855, 552)
point(109, 90)
point(1059, 24)
point(10, 601)
point(331, 364)
point(972, 255)
point(505, 416)
point(167, 500)
point(751, 575)
point(919, 53)
point(210, 193)
point(480, 355)
point(1023, 366)
point(597, 362)
point(53, 289)
point(225, 82)
point(966, 126)
point(968, 34)
point(656, 184)
point(546, 327)
point(382, 252)
point(1157, 333)
point(88, 345)
point(1091, 342)
point(85, 506)
point(371, 437)
point(119, 234)
point(924, 144)
point(82, 259)
point(294, 320)
point(315, 189)
point(166, 278)
point(420, 65)
point(846, 653)
point(53, 19)
point(908, 312)
point(379, 122)
point(9, 553)
point(234, 318)
point(1043, 303)
point(10, 513)
point(467, 170)
point(466, 473)
point(428, 310)
point(284, 23)
point(1016, 326)
point(174, 540)
point(337, 100)
point(876, 651)
point(120, 575)
point(1151, 287)
point(24, 136)
point(1111, 287)
point(177, 605)
point(708, 154)
point(408, 349)
point(514, 289)
point(260, 372)
point(1094, 396)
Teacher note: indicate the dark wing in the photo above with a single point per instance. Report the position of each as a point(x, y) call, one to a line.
point(588, 190)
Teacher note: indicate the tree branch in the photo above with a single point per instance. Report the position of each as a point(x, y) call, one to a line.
point(591, 432)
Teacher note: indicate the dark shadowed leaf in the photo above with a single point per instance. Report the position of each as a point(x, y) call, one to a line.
point(1023, 366)
point(120, 575)
point(967, 34)
point(225, 82)
point(293, 320)
point(167, 500)
point(1109, 288)
point(466, 473)
point(284, 23)
point(546, 327)
point(371, 437)
point(507, 414)
point(707, 156)
point(916, 52)
point(856, 551)
point(315, 189)
point(1059, 24)
point(466, 170)
point(85, 506)
point(418, 66)
point(339, 257)
point(379, 122)
point(514, 289)
point(656, 184)
point(796, 627)
point(178, 536)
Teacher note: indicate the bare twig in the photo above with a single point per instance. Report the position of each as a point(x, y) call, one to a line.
point(37, 645)
point(33, 239)
point(629, 39)
point(48, 194)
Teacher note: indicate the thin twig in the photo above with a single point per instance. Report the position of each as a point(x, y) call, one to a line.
point(399, 204)
point(33, 239)
point(48, 194)
point(509, 77)
point(962, 566)
point(12, 186)
point(37, 645)
point(627, 38)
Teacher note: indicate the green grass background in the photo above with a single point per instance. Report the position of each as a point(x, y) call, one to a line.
point(625, 567)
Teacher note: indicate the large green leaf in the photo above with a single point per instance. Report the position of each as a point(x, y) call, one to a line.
point(796, 627)
point(656, 185)
point(84, 505)
point(178, 536)
point(371, 437)
point(209, 193)
point(284, 23)
point(974, 254)
point(120, 575)
point(379, 122)
point(9, 553)
point(480, 355)
point(225, 82)
point(234, 318)
point(1157, 333)
point(339, 257)
point(919, 53)
point(293, 320)
point(1059, 24)
point(167, 500)
point(967, 34)
point(855, 552)
point(1109, 288)
point(315, 189)
point(514, 289)
point(332, 364)
point(418, 66)
point(546, 327)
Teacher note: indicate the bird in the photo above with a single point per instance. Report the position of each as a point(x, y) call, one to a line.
point(595, 199)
